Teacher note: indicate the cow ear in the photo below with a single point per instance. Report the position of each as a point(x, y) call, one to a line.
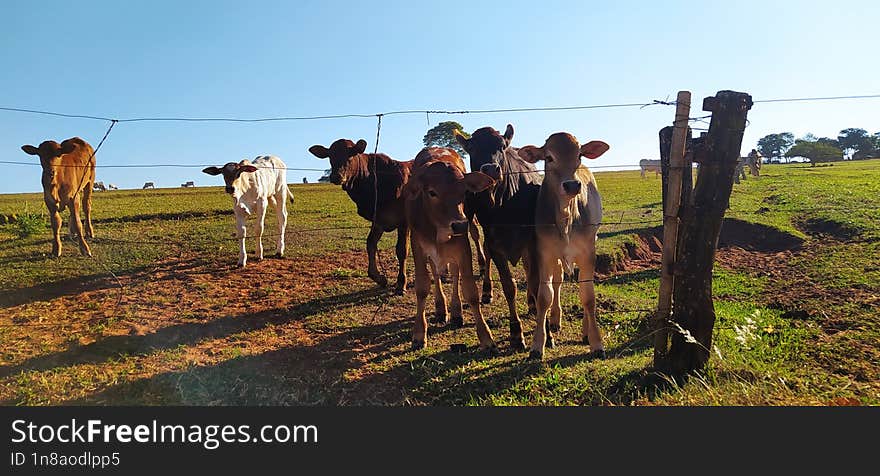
point(594, 149)
point(360, 147)
point(319, 151)
point(212, 170)
point(508, 134)
point(476, 182)
point(67, 147)
point(531, 153)
point(31, 150)
point(464, 141)
point(247, 168)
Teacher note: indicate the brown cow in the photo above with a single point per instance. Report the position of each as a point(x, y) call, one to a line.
point(361, 175)
point(68, 174)
point(567, 218)
point(439, 235)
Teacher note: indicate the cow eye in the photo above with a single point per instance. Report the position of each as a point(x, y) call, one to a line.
point(548, 159)
point(432, 194)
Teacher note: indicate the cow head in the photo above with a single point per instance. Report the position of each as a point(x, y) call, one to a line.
point(50, 153)
point(231, 173)
point(341, 154)
point(486, 148)
point(441, 189)
point(562, 154)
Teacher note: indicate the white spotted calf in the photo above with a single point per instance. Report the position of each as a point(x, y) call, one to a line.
point(253, 186)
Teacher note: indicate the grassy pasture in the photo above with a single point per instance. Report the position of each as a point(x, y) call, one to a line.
point(162, 316)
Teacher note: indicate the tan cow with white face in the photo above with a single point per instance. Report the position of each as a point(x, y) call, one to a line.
point(68, 180)
point(567, 219)
point(438, 226)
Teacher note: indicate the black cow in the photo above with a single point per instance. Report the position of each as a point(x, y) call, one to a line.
point(361, 175)
point(506, 213)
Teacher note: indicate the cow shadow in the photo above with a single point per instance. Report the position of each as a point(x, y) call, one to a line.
point(102, 280)
point(172, 336)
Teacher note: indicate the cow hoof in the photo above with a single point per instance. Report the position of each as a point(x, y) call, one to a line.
point(418, 345)
point(486, 299)
point(517, 343)
point(398, 291)
point(551, 344)
point(278, 255)
point(439, 319)
point(536, 356)
point(597, 355)
point(457, 322)
point(492, 350)
point(554, 327)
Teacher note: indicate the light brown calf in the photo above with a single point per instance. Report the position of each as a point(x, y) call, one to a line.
point(567, 218)
point(68, 175)
point(439, 235)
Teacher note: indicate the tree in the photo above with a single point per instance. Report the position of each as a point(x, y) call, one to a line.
point(775, 145)
point(855, 141)
point(441, 135)
point(829, 141)
point(326, 176)
point(815, 152)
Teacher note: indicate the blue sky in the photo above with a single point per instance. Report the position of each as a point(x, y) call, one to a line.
point(301, 58)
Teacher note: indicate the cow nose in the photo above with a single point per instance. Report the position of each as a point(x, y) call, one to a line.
point(230, 189)
point(459, 227)
point(492, 170)
point(571, 187)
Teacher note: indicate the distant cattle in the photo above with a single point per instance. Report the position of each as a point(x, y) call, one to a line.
point(148, 185)
point(68, 175)
point(506, 213)
point(648, 165)
point(99, 187)
point(439, 229)
point(253, 186)
point(374, 182)
point(188, 184)
point(111, 186)
point(568, 214)
point(753, 161)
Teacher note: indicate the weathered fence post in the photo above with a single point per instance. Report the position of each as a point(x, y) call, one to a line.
point(672, 182)
point(693, 312)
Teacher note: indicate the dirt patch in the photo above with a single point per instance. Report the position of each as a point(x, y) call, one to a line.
point(825, 228)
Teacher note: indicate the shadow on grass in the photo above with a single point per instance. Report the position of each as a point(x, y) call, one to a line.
point(176, 335)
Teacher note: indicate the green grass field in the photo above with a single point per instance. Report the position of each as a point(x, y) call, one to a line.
point(162, 316)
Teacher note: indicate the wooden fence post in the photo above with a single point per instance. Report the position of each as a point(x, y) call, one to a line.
point(693, 312)
point(672, 200)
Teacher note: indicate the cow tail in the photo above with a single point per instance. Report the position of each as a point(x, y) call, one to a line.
point(289, 193)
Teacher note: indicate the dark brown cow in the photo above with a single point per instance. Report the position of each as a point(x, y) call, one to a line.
point(68, 175)
point(567, 218)
point(374, 182)
point(439, 234)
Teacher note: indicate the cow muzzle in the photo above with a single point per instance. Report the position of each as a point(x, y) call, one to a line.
point(571, 187)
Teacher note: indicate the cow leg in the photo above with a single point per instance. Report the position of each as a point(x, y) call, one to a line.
point(441, 315)
point(78, 229)
point(464, 268)
point(531, 269)
point(241, 229)
point(509, 288)
point(260, 226)
point(55, 217)
point(486, 273)
point(546, 267)
point(455, 275)
point(420, 324)
point(372, 250)
point(590, 328)
point(400, 250)
point(481, 256)
point(281, 216)
point(555, 321)
point(87, 210)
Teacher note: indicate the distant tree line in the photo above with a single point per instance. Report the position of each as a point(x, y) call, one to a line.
point(852, 144)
